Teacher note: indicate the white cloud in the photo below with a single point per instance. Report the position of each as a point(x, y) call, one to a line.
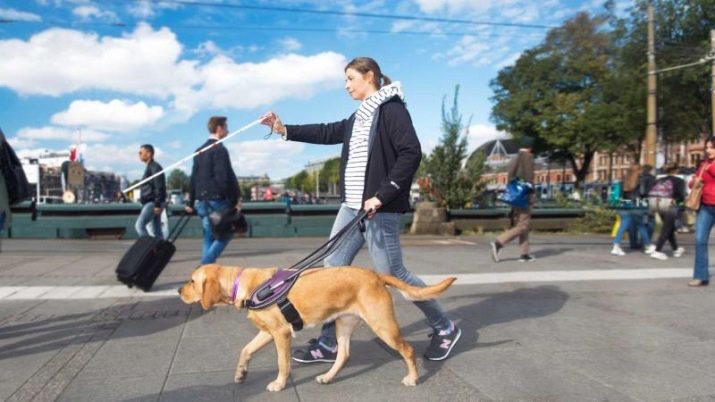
point(208, 48)
point(469, 49)
point(508, 61)
point(60, 61)
point(51, 133)
point(481, 133)
point(290, 44)
point(454, 6)
point(147, 62)
point(92, 12)
point(21, 143)
point(146, 9)
point(261, 156)
point(258, 84)
point(12, 14)
point(118, 158)
point(116, 115)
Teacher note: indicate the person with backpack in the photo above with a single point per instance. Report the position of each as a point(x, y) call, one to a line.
point(663, 199)
point(633, 219)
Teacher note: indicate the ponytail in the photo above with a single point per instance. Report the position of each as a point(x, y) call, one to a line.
point(385, 80)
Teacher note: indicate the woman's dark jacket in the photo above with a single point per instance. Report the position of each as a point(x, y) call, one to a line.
point(155, 189)
point(212, 177)
point(394, 152)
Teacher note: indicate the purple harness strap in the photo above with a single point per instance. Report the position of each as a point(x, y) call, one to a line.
point(275, 289)
point(235, 287)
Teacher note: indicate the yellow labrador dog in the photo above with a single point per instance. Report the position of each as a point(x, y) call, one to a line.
point(344, 294)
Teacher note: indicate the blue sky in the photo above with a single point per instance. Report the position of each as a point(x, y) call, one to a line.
point(123, 72)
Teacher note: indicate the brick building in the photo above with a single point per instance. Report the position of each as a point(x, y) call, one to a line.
point(547, 173)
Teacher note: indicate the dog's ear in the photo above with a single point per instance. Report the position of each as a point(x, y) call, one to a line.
point(211, 293)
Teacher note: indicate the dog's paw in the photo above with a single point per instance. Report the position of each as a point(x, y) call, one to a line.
point(323, 379)
point(409, 381)
point(276, 386)
point(240, 375)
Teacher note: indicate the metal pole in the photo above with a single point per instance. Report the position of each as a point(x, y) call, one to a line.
point(651, 129)
point(244, 128)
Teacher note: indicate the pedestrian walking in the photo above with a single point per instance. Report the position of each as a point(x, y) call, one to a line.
point(152, 195)
point(635, 218)
point(214, 187)
point(522, 167)
point(379, 158)
point(665, 196)
point(705, 219)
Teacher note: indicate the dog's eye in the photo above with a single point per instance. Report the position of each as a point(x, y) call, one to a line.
point(191, 281)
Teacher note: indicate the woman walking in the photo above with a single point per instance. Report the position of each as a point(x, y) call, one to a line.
point(380, 156)
point(706, 215)
point(664, 198)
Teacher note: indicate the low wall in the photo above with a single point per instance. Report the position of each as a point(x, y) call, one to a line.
point(265, 219)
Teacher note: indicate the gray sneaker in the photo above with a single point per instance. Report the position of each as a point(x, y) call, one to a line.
point(441, 345)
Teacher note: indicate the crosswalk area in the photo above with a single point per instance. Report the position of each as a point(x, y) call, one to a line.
point(170, 290)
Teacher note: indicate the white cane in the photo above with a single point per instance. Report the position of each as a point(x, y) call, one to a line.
point(244, 128)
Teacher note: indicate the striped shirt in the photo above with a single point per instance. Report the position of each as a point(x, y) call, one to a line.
point(359, 140)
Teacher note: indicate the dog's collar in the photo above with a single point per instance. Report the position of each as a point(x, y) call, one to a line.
point(235, 287)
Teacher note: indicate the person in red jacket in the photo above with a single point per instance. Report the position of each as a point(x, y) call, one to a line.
point(706, 214)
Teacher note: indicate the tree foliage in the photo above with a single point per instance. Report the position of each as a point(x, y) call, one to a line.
point(178, 180)
point(456, 182)
point(584, 88)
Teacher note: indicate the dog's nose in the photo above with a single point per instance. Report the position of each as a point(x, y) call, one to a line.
point(179, 290)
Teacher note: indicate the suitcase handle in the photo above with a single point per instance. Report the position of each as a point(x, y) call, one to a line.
point(176, 230)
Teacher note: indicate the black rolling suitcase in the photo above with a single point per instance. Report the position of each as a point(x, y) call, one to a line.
point(147, 257)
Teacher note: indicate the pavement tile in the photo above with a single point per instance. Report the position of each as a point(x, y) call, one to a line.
point(129, 360)
point(212, 386)
point(523, 374)
point(157, 330)
point(380, 380)
point(128, 389)
point(642, 373)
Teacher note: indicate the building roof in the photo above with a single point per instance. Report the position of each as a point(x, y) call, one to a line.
point(503, 147)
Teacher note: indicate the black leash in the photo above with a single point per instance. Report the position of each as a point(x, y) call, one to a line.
point(274, 289)
point(332, 243)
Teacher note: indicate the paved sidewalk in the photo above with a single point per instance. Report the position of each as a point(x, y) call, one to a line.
point(576, 324)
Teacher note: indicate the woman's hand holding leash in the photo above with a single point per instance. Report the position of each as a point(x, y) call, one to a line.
point(371, 206)
point(272, 120)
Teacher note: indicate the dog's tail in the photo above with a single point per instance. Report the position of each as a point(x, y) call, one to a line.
point(417, 293)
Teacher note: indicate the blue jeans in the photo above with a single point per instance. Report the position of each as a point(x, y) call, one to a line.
point(632, 219)
point(213, 247)
point(382, 235)
point(146, 217)
point(703, 224)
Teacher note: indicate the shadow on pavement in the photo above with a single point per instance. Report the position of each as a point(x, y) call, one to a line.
point(57, 332)
point(494, 308)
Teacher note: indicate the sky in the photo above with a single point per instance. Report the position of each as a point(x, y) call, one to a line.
point(110, 75)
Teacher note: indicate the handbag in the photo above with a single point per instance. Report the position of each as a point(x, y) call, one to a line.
point(516, 193)
point(692, 201)
point(226, 223)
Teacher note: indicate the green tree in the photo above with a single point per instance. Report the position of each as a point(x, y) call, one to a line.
point(456, 182)
point(330, 175)
point(682, 36)
point(555, 92)
point(178, 180)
